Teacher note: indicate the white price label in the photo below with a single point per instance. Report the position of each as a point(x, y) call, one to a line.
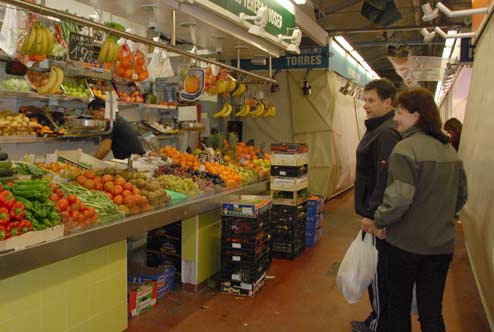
point(237, 245)
point(236, 258)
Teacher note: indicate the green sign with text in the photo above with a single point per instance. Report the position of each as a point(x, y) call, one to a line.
point(280, 18)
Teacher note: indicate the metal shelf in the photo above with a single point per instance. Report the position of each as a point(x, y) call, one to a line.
point(16, 262)
point(36, 96)
point(147, 106)
point(36, 139)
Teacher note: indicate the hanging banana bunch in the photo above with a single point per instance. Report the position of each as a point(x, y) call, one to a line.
point(38, 43)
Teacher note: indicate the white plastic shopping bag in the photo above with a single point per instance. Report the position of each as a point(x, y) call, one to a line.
point(357, 268)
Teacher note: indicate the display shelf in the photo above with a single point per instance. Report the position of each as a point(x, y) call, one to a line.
point(148, 106)
point(37, 139)
point(16, 262)
point(36, 96)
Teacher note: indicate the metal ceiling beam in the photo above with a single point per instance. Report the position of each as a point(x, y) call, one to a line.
point(395, 43)
point(397, 28)
point(340, 5)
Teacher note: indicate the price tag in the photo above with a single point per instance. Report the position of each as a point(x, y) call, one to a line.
point(81, 48)
point(52, 101)
point(236, 258)
point(44, 64)
point(202, 168)
point(236, 277)
point(237, 245)
point(160, 84)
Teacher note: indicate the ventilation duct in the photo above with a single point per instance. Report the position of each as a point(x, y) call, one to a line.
point(382, 12)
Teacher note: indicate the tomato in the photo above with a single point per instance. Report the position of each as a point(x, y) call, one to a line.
point(129, 201)
point(76, 206)
point(135, 210)
point(72, 198)
point(81, 179)
point(118, 199)
point(60, 193)
point(92, 212)
point(83, 208)
point(62, 204)
point(117, 190)
point(53, 197)
point(75, 215)
point(126, 193)
point(89, 184)
point(135, 191)
point(90, 174)
point(128, 186)
point(106, 178)
point(64, 215)
point(120, 181)
point(81, 218)
point(98, 186)
point(110, 196)
point(108, 186)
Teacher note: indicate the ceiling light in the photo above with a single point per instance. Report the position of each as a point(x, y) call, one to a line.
point(260, 20)
point(294, 40)
point(459, 13)
point(429, 14)
point(343, 42)
point(300, 2)
point(428, 36)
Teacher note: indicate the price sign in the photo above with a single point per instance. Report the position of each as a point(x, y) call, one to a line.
point(81, 48)
point(160, 84)
point(219, 160)
point(203, 157)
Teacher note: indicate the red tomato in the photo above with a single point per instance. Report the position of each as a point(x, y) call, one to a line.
point(98, 186)
point(117, 189)
point(83, 208)
point(126, 193)
point(129, 201)
point(89, 184)
point(62, 204)
point(128, 186)
point(72, 198)
point(120, 181)
point(108, 186)
point(135, 191)
point(81, 179)
point(106, 178)
point(135, 210)
point(110, 196)
point(118, 199)
point(64, 215)
point(92, 212)
point(60, 193)
point(53, 197)
point(75, 215)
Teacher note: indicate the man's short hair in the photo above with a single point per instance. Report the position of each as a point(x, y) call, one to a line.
point(96, 104)
point(384, 88)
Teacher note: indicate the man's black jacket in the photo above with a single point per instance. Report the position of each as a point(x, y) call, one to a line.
point(372, 163)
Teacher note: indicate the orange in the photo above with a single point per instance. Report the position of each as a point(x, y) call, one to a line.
point(191, 84)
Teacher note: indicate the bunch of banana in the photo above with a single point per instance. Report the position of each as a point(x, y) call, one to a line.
point(270, 113)
point(39, 41)
point(258, 111)
point(240, 90)
point(225, 111)
point(244, 111)
point(109, 51)
point(54, 82)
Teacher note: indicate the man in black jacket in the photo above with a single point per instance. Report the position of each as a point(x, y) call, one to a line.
point(372, 171)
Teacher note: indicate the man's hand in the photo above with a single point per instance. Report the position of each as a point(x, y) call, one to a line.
point(367, 224)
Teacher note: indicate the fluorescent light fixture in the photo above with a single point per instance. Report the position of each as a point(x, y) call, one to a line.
point(260, 20)
point(428, 36)
point(357, 56)
point(338, 48)
point(346, 45)
point(429, 14)
point(300, 2)
point(294, 40)
point(351, 60)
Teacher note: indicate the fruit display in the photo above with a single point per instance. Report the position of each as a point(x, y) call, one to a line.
point(37, 78)
point(15, 84)
point(5, 166)
point(109, 51)
point(12, 216)
point(116, 188)
point(76, 88)
point(65, 171)
point(225, 111)
point(17, 124)
point(150, 188)
point(38, 209)
point(128, 92)
point(179, 184)
point(131, 66)
point(38, 43)
point(227, 174)
point(73, 212)
point(99, 87)
point(16, 68)
point(206, 181)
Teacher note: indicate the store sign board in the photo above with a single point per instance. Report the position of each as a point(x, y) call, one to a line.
point(312, 58)
point(81, 48)
point(280, 18)
point(467, 50)
point(348, 69)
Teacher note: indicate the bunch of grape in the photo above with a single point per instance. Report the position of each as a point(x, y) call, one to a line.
point(176, 183)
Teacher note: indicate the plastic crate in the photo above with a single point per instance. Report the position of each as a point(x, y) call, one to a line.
point(244, 226)
point(287, 233)
point(287, 250)
point(245, 242)
point(289, 198)
point(317, 219)
point(289, 159)
point(289, 147)
point(245, 272)
point(289, 171)
point(313, 210)
point(289, 184)
point(231, 255)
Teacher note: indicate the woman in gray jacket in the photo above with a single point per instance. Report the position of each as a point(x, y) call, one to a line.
point(426, 188)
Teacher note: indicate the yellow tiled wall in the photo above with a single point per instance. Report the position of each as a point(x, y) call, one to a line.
point(85, 293)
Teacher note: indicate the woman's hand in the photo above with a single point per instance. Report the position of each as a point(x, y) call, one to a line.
point(368, 226)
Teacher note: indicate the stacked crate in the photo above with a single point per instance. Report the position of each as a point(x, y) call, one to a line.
point(313, 225)
point(289, 182)
point(164, 247)
point(245, 245)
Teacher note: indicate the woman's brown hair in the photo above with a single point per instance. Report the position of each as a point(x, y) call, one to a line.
point(420, 100)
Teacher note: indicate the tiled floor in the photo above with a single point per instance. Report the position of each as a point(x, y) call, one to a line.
point(301, 295)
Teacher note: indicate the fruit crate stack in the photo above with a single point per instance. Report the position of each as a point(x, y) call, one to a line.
point(313, 225)
point(164, 247)
point(245, 245)
point(289, 182)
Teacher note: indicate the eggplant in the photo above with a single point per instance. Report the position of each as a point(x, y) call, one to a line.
point(15, 67)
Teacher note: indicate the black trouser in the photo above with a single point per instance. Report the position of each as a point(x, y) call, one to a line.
point(429, 273)
point(377, 290)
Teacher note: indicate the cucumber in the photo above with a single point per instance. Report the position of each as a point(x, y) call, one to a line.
point(3, 156)
point(6, 164)
point(4, 172)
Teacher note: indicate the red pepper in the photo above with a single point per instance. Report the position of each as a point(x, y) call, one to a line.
point(25, 226)
point(6, 199)
point(4, 217)
point(13, 229)
point(3, 233)
point(17, 212)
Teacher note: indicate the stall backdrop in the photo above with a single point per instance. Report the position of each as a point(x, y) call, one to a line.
point(476, 151)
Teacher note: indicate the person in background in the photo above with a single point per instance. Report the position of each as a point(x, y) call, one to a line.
point(371, 176)
point(426, 187)
point(453, 127)
point(122, 141)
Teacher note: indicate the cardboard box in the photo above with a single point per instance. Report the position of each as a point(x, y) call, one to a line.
point(141, 298)
point(32, 238)
point(163, 276)
point(286, 159)
point(289, 184)
point(249, 206)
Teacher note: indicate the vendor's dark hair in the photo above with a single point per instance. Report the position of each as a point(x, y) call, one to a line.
point(420, 100)
point(454, 125)
point(96, 104)
point(384, 88)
